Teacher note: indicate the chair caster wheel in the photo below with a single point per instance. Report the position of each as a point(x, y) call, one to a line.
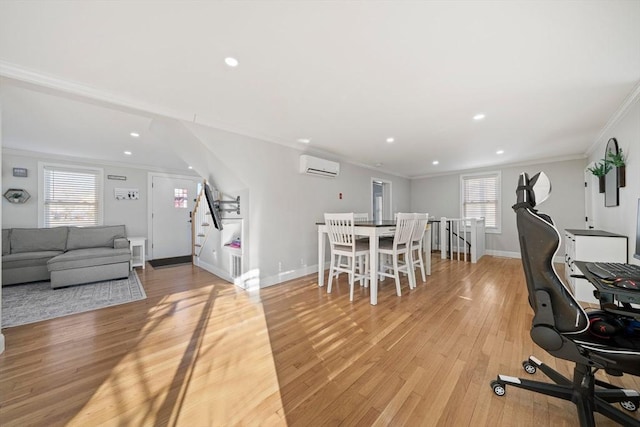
point(630, 405)
point(529, 367)
point(498, 388)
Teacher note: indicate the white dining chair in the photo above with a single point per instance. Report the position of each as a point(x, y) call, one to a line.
point(361, 216)
point(395, 247)
point(419, 228)
point(340, 228)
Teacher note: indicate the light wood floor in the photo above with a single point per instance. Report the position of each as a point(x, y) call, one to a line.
point(200, 352)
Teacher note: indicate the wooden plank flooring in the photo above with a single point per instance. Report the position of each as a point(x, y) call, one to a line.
point(200, 352)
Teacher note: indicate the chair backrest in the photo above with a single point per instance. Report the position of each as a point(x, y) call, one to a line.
point(359, 217)
point(340, 228)
point(419, 226)
point(404, 228)
point(539, 243)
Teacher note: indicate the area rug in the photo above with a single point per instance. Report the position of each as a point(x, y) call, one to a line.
point(33, 302)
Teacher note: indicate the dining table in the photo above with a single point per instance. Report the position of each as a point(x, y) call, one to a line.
point(373, 230)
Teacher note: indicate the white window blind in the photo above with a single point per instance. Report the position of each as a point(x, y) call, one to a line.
point(72, 196)
point(481, 198)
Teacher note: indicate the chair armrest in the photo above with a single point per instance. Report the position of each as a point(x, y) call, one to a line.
point(120, 243)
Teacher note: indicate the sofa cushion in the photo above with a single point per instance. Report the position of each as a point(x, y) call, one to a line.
point(27, 259)
point(38, 239)
point(94, 237)
point(5, 241)
point(88, 257)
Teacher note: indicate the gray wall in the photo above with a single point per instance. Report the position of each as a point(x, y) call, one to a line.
point(440, 196)
point(131, 213)
point(621, 219)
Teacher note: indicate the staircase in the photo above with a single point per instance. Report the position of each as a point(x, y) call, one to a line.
point(462, 238)
point(200, 224)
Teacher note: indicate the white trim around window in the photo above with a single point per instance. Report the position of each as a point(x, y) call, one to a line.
point(70, 195)
point(480, 196)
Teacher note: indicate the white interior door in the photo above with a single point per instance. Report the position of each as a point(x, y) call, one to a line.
point(172, 202)
point(588, 199)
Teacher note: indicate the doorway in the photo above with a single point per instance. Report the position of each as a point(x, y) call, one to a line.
point(171, 204)
point(380, 199)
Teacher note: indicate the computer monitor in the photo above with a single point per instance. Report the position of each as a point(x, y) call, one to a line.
point(636, 255)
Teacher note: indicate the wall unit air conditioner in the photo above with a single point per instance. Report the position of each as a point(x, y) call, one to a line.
point(317, 166)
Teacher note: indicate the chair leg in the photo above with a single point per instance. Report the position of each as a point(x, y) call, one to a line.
point(396, 275)
point(366, 270)
point(352, 278)
point(421, 260)
point(331, 272)
point(411, 272)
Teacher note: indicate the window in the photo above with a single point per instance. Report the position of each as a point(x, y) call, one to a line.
point(70, 195)
point(180, 196)
point(480, 195)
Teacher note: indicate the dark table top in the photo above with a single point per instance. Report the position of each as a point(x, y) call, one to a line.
point(384, 223)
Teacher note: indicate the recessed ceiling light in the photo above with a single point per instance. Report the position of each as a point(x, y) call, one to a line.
point(479, 116)
point(435, 162)
point(390, 140)
point(128, 153)
point(304, 140)
point(190, 167)
point(500, 152)
point(231, 62)
point(135, 134)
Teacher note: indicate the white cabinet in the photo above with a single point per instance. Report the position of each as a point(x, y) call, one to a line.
point(590, 246)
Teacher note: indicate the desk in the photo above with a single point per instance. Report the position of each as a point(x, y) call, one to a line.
point(609, 293)
point(373, 230)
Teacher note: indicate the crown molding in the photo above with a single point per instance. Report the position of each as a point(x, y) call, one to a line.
point(626, 105)
point(93, 162)
point(507, 165)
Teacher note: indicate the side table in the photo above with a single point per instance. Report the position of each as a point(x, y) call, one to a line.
point(136, 245)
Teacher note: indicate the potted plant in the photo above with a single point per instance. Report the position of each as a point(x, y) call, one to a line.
point(600, 170)
point(617, 159)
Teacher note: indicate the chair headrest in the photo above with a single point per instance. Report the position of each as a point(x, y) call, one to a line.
point(532, 191)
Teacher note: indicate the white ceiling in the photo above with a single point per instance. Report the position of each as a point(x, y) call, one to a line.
point(347, 75)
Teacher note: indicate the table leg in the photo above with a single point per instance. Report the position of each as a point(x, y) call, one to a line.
point(373, 265)
point(427, 250)
point(321, 243)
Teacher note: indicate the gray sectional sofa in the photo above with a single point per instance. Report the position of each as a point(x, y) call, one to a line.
point(65, 255)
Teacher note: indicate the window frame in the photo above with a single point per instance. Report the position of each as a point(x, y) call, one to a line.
point(498, 175)
point(99, 173)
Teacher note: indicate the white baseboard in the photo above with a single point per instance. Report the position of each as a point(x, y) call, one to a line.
point(287, 275)
point(504, 254)
point(250, 280)
point(509, 254)
point(214, 270)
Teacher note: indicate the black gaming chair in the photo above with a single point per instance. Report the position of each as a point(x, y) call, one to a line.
point(598, 340)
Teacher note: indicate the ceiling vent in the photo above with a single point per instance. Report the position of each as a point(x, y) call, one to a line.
point(317, 166)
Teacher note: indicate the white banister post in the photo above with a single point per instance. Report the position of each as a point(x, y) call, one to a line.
point(443, 237)
point(474, 241)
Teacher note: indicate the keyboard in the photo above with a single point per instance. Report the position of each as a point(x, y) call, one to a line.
point(614, 270)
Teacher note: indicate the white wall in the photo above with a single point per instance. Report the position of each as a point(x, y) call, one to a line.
point(131, 213)
point(621, 219)
point(440, 196)
point(282, 205)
